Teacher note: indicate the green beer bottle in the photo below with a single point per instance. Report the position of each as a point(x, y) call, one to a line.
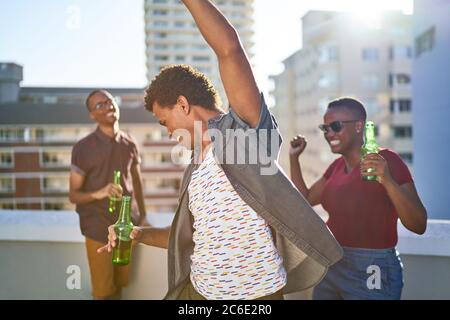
point(370, 146)
point(113, 200)
point(123, 228)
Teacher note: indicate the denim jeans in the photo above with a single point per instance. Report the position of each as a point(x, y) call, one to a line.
point(363, 274)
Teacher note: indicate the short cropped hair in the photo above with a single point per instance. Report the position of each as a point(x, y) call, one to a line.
point(91, 95)
point(351, 104)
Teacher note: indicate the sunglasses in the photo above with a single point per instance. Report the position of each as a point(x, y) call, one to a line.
point(336, 126)
point(102, 105)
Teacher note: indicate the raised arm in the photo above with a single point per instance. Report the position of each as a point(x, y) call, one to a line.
point(235, 69)
point(314, 194)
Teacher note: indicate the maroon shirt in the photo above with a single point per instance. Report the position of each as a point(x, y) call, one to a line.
point(361, 213)
point(96, 157)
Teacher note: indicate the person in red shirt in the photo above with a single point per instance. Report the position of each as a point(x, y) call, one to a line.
point(362, 215)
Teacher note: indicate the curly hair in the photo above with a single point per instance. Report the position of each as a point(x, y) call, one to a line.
point(181, 80)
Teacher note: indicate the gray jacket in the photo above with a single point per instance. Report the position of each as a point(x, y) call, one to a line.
point(304, 241)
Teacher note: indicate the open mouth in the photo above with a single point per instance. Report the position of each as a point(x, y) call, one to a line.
point(334, 143)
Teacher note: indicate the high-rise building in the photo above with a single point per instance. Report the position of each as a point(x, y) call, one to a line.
point(38, 129)
point(431, 103)
point(172, 36)
point(343, 55)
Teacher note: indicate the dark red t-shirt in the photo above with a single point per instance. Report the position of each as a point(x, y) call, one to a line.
point(361, 213)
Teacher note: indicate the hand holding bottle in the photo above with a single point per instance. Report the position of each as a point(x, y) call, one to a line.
point(136, 234)
point(108, 191)
point(378, 166)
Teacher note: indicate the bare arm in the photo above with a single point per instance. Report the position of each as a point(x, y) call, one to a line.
point(409, 208)
point(138, 192)
point(235, 69)
point(314, 194)
point(76, 196)
point(405, 199)
point(151, 236)
point(155, 237)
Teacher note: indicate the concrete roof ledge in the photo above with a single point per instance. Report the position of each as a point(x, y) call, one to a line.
point(52, 226)
point(63, 226)
point(435, 241)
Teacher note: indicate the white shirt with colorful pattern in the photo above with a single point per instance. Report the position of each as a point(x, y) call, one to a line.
point(234, 254)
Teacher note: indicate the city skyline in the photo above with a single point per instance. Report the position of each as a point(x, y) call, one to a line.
point(93, 50)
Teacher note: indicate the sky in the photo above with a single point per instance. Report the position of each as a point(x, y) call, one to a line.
point(101, 43)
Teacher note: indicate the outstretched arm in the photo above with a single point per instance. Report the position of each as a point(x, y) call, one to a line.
point(235, 69)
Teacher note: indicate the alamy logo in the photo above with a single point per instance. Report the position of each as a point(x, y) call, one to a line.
point(374, 280)
point(237, 146)
point(73, 281)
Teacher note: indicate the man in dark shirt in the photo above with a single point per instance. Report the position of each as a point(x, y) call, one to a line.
point(94, 160)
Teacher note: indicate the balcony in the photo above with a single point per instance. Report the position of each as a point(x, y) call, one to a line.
point(40, 248)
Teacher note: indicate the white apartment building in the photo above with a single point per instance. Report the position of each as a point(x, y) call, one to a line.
point(431, 97)
point(343, 55)
point(172, 36)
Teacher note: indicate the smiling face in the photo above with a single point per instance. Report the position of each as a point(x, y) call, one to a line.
point(350, 135)
point(103, 108)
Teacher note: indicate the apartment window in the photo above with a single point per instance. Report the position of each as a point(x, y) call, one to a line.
point(180, 24)
point(160, 1)
point(161, 35)
point(425, 42)
point(399, 52)
point(162, 185)
point(327, 80)
point(55, 159)
point(407, 157)
point(180, 58)
point(156, 159)
point(392, 106)
point(371, 81)
point(159, 46)
point(404, 105)
point(238, 15)
point(399, 79)
point(400, 105)
point(239, 3)
point(7, 185)
point(403, 78)
point(370, 54)
point(50, 100)
point(7, 206)
point(200, 58)
point(180, 46)
point(402, 131)
point(6, 160)
point(160, 24)
point(159, 12)
point(12, 134)
point(180, 13)
point(161, 58)
point(377, 131)
point(55, 184)
point(199, 46)
point(54, 206)
point(328, 54)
